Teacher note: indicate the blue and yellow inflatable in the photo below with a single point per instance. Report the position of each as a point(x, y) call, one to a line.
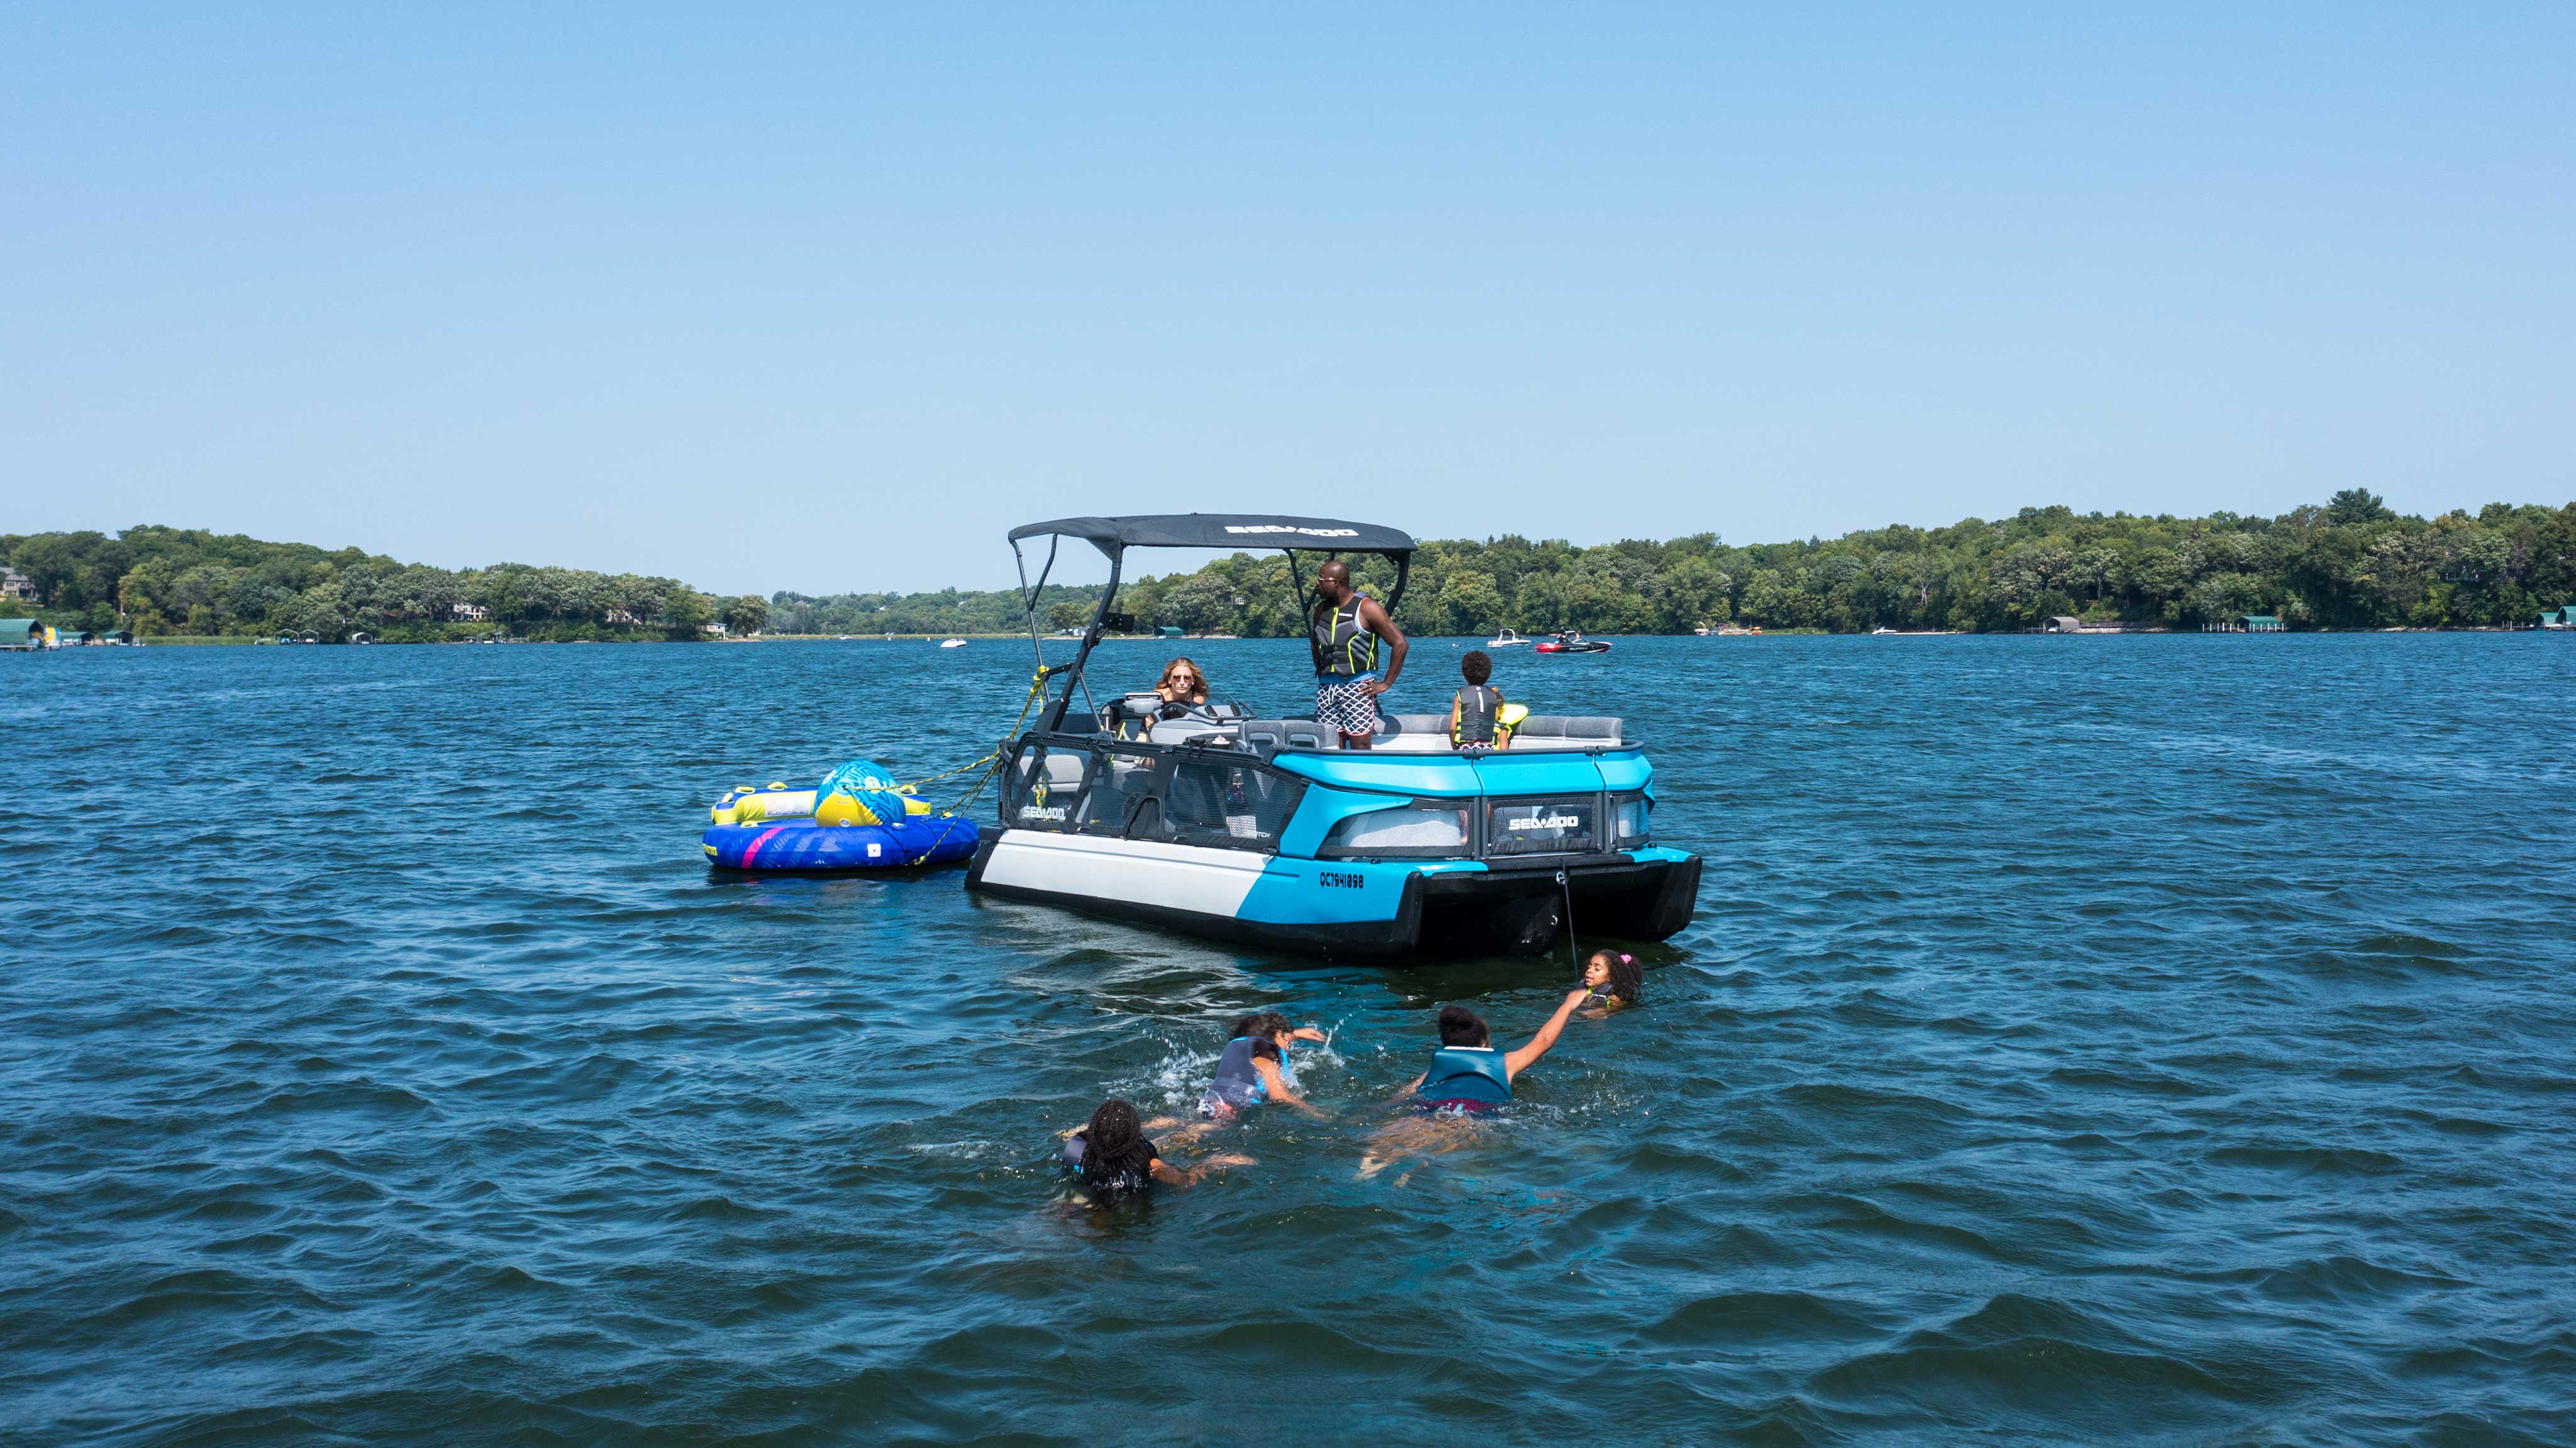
point(858, 818)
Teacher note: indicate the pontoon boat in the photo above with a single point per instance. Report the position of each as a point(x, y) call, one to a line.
point(1260, 828)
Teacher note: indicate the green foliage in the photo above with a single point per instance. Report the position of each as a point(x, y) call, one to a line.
point(2349, 564)
point(188, 581)
point(949, 611)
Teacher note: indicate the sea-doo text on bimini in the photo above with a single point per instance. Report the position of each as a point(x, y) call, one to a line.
point(1264, 830)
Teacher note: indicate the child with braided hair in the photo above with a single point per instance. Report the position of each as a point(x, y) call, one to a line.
point(1111, 1159)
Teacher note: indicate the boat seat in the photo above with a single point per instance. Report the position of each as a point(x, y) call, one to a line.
point(1189, 730)
point(1064, 767)
point(1412, 733)
point(1562, 731)
point(1288, 734)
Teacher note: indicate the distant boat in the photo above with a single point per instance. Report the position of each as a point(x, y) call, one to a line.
point(1882, 629)
point(1571, 641)
point(1505, 639)
point(954, 644)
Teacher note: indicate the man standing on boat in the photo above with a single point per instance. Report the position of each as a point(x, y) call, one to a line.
point(1345, 631)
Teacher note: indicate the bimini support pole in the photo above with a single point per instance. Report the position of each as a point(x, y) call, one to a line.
point(1029, 596)
point(1053, 719)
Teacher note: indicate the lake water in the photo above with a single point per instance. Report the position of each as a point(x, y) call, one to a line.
point(2107, 1040)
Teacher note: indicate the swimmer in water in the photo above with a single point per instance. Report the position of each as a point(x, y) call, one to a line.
point(1612, 981)
point(1254, 1067)
point(1468, 1076)
point(1251, 1071)
point(1111, 1159)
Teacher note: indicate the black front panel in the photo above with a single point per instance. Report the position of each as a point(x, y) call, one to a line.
point(1556, 825)
point(1124, 800)
point(1097, 786)
point(1043, 786)
point(1227, 802)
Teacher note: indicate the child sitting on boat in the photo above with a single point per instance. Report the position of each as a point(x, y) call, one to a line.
point(1477, 713)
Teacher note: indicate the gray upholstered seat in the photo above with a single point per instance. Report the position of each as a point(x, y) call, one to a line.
point(1412, 733)
point(1288, 734)
point(1562, 731)
point(1064, 767)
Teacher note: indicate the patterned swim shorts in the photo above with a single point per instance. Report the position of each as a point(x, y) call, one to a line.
point(1346, 704)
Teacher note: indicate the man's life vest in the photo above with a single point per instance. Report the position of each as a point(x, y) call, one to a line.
point(1342, 644)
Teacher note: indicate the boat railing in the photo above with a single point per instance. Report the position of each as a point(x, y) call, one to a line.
point(1090, 784)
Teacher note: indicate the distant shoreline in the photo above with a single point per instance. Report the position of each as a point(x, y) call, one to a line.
point(261, 641)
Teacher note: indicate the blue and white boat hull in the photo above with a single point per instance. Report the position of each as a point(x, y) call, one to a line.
point(1342, 907)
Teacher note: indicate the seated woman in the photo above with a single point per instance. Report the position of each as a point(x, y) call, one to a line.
point(1182, 683)
point(1182, 690)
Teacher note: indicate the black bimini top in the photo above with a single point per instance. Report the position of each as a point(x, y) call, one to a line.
point(1224, 530)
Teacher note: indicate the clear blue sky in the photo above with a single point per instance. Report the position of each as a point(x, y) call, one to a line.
point(826, 299)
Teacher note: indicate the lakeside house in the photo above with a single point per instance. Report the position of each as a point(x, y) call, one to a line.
point(463, 612)
point(2067, 623)
point(16, 585)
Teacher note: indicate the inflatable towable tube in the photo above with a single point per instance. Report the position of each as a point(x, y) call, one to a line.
point(805, 845)
point(857, 819)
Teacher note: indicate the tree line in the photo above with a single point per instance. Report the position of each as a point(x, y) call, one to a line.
point(156, 580)
point(2349, 563)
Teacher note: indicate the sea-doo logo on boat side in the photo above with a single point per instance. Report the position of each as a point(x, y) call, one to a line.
point(1048, 812)
point(1546, 822)
point(1292, 528)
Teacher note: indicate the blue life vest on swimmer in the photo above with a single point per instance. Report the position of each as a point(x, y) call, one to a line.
point(1474, 710)
point(1343, 645)
point(1237, 1084)
point(1467, 1073)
